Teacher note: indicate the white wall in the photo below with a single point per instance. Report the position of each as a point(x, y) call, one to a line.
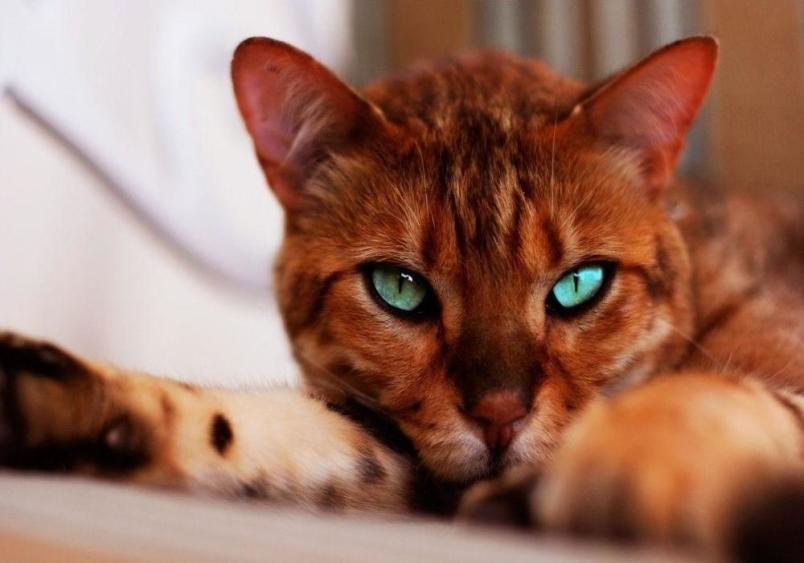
point(143, 87)
point(76, 267)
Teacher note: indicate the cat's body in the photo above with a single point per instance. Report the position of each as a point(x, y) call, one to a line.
point(480, 185)
point(748, 260)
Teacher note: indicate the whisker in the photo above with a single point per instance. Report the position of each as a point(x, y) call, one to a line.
point(331, 381)
point(553, 152)
point(327, 378)
point(727, 363)
point(784, 367)
point(689, 339)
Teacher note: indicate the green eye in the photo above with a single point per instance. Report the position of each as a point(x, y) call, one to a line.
point(579, 286)
point(399, 288)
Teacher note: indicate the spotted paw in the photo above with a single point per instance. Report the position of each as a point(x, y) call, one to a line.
point(21, 361)
point(54, 412)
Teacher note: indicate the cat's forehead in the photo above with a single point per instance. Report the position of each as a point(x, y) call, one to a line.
point(488, 88)
point(480, 166)
point(525, 211)
point(483, 211)
point(480, 186)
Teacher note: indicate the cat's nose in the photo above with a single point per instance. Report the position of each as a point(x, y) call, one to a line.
point(497, 412)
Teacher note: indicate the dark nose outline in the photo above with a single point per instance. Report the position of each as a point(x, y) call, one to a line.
point(497, 412)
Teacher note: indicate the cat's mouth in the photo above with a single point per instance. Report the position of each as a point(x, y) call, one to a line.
point(461, 455)
point(501, 459)
point(496, 465)
point(499, 438)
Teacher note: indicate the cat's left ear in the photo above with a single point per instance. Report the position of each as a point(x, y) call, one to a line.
point(651, 105)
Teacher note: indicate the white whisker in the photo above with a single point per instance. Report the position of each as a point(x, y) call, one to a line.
point(689, 339)
point(327, 379)
point(784, 367)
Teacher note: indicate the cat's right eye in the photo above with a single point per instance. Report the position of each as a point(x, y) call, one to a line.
point(401, 290)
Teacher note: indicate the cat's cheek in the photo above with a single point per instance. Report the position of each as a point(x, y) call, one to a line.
point(451, 451)
point(637, 365)
point(616, 347)
point(536, 442)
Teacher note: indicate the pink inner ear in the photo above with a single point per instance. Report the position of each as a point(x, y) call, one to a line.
point(291, 105)
point(652, 104)
point(272, 140)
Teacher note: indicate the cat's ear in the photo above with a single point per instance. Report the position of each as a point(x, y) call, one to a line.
point(295, 110)
point(651, 105)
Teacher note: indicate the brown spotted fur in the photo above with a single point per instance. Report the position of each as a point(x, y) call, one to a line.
point(478, 173)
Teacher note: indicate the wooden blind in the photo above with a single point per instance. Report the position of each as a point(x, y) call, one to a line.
point(751, 133)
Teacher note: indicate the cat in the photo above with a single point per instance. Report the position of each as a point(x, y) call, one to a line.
point(501, 301)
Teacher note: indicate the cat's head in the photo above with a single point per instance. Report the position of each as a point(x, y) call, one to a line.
point(480, 246)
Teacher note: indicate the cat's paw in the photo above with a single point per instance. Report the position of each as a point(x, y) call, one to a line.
point(54, 411)
point(667, 461)
point(508, 500)
point(21, 361)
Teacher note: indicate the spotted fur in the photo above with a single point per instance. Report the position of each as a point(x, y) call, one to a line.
point(490, 176)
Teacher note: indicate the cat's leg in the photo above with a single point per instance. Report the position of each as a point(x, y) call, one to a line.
point(685, 458)
point(671, 460)
point(58, 412)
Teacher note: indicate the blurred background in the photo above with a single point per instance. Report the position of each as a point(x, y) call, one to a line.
point(135, 225)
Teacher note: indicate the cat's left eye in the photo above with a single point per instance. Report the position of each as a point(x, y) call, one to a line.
point(577, 287)
point(402, 290)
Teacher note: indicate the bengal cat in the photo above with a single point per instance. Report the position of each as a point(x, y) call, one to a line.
point(477, 253)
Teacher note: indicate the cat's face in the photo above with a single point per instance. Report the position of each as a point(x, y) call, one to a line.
point(466, 252)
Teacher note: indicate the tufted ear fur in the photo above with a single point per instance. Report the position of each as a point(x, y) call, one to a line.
point(296, 111)
point(651, 105)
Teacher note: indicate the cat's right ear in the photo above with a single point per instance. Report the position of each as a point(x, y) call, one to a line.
point(296, 112)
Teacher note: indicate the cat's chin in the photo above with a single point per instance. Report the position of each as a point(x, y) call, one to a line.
point(480, 464)
point(468, 475)
point(459, 463)
point(486, 466)
point(464, 458)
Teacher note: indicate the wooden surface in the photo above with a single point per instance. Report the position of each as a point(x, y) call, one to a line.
point(65, 519)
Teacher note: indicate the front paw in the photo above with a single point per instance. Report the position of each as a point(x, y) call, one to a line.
point(666, 461)
point(23, 363)
point(55, 412)
point(505, 501)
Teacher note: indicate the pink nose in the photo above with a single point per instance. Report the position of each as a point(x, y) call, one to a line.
point(498, 412)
